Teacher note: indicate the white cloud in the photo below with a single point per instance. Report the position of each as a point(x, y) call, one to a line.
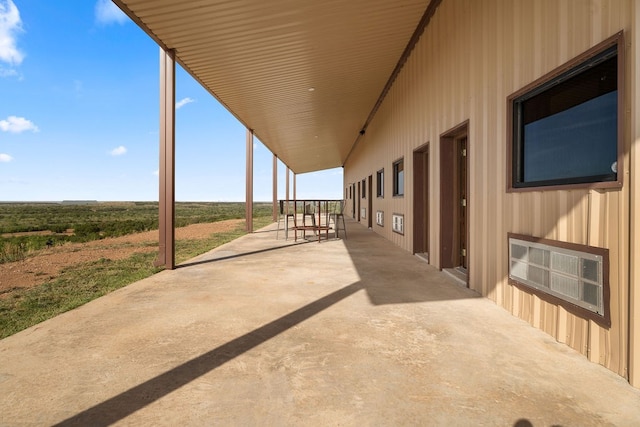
point(183, 102)
point(7, 72)
point(5, 158)
point(156, 172)
point(15, 124)
point(119, 151)
point(108, 13)
point(10, 24)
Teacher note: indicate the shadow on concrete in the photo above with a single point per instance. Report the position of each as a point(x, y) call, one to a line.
point(403, 279)
point(388, 275)
point(136, 398)
point(260, 231)
point(222, 258)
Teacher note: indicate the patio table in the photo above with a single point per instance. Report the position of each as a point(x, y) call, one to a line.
point(321, 208)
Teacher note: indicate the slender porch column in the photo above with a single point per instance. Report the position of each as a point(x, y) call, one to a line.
point(286, 189)
point(249, 183)
point(294, 187)
point(166, 172)
point(275, 188)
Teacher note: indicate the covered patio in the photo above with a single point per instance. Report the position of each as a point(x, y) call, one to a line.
point(266, 331)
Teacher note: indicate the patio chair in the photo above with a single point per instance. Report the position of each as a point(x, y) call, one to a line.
point(309, 211)
point(286, 212)
point(337, 216)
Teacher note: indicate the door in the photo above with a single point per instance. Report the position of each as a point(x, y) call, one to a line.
point(358, 198)
point(353, 201)
point(462, 169)
point(370, 202)
point(421, 201)
point(454, 199)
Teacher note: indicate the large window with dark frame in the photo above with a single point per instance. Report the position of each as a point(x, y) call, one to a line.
point(566, 126)
point(380, 183)
point(398, 177)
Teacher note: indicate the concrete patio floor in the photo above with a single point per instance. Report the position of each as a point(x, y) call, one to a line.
point(268, 332)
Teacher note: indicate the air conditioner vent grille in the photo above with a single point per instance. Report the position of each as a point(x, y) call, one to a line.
point(571, 275)
point(398, 223)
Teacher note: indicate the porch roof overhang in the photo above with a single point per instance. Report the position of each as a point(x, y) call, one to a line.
point(305, 76)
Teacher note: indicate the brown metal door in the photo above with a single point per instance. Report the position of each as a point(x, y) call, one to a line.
point(370, 202)
point(359, 197)
point(421, 200)
point(463, 200)
point(353, 201)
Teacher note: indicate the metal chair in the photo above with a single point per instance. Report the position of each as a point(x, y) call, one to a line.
point(337, 216)
point(309, 211)
point(286, 212)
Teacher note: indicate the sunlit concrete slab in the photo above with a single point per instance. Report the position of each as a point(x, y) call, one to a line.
point(271, 332)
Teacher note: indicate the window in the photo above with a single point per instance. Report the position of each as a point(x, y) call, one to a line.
point(364, 188)
point(566, 126)
point(398, 178)
point(573, 276)
point(380, 183)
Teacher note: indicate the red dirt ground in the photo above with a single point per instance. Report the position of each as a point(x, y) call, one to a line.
point(46, 264)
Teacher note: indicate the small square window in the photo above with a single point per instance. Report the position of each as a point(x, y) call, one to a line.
point(380, 183)
point(398, 177)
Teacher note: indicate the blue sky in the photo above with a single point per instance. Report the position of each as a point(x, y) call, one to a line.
point(79, 115)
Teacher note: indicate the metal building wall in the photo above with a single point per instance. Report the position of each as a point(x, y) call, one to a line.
point(634, 182)
point(471, 57)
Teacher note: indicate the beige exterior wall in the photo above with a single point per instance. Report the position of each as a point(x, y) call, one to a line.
point(471, 57)
point(634, 353)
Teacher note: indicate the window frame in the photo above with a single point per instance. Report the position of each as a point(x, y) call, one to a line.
point(557, 76)
point(396, 190)
point(380, 183)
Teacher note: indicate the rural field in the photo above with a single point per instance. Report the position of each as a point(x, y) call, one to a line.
point(57, 256)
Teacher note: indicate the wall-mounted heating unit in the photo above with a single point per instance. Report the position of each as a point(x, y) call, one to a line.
point(398, 223)
point(570, 274)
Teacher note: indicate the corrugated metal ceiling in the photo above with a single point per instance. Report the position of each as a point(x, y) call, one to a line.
point(260, 58)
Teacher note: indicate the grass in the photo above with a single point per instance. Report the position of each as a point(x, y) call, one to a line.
point(187, 249)
point(50, 224)
point(111, 218)
point(85, 282)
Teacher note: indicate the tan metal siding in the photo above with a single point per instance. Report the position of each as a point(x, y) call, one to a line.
point(634, 60)
point(470, 58)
